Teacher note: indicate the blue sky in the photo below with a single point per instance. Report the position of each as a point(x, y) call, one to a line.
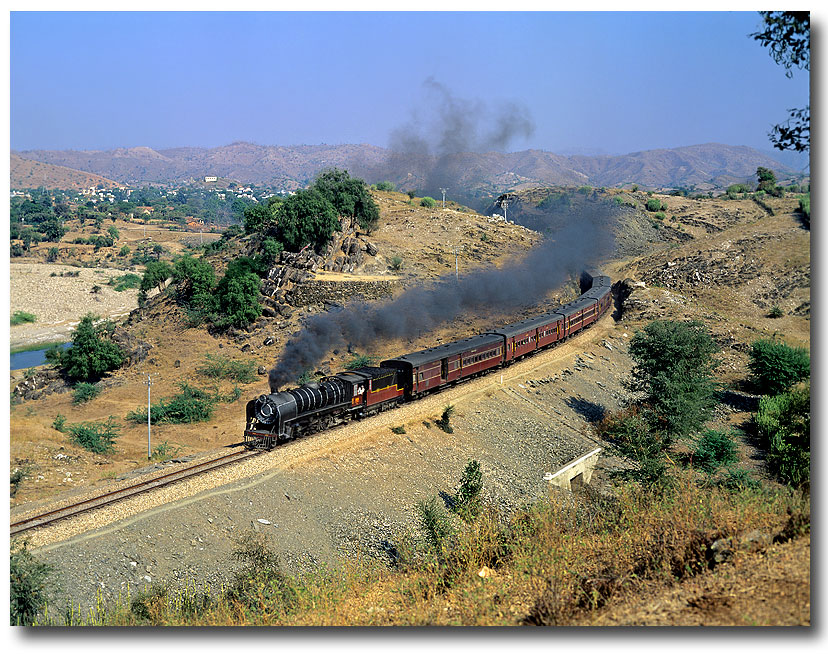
point(591, 82)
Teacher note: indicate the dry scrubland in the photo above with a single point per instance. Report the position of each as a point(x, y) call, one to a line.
point(723, 262)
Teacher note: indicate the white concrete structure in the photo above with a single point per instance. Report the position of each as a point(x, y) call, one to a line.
point(576, 473)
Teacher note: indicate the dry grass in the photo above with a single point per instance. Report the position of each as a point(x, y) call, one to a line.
point(556, 563)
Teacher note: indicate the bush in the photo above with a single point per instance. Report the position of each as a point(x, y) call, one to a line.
point(398, 430)
point(156, 275)
point(52, 254)
point(385, 186)
point(219, 367)
point(306, 218)
point(237, 296)
point(428, 202)
point(59, 423)
point(714, 450)
point(191, 404)
point(783, 424)
point(805, 208)
point(434, 522)
point(84, 391)
point(125, 282)
point(674, 367)
point(396, 262)
point(27, 587)
point(360, 361)
point(22, 317)
point(653, 204)
point(91, 354)
point(444, 422)
point(467, 498)
point(631, 433)
point(776, 366)
point(97, 437)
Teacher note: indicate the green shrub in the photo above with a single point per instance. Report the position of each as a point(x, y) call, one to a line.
point(434, 522)
point(805, 207)
point(396, 262)
point(385, 186)
point(59, 423)
point(674, 367)
point(444, 422)
point(631, 433)
point(783, 424)
point(360, 361)
point(125, 282)
point(398, 430)
point(91, 354)
point(219, 367)
point(164, 452)
point(775, 312)
point(714, 450)
point(428, 202)
point(52, 254)
point(660, 215)
point(97, 437)
point(653, 204)
point(84, 391)
point(22, 317)
point(467, 498)
point(191, 404)
point(27, 587)
point(777, 366)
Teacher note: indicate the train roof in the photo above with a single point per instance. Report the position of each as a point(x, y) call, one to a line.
point(446, 350)
point(525, 325)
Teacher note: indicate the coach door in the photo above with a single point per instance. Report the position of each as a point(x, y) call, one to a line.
point(444, 369)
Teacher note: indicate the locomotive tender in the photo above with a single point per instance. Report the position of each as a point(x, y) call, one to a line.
point(280, 416)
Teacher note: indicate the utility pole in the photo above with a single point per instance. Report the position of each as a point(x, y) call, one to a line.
point(444, 196)
point(149, 425)
point(456, 268)
point(504, 203)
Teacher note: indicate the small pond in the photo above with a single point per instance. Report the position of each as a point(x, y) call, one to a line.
point(30, 358)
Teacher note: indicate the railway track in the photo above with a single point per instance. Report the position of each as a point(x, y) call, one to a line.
point(111, 497)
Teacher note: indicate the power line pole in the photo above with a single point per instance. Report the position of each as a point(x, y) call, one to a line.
point(504, 203)
point(456, 268)
point(444, 196)
point(149, 424)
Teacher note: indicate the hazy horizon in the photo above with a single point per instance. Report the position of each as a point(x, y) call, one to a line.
point(601, 82)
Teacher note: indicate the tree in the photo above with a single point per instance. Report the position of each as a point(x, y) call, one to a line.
point(767, 181)
point(787, 35)
point(238, 297)
point(194, 279)
point(306, 218)
point(257, 218)
point(156, 274)
point(777, 366)
point(92, 353)
point(349, 196)
point(674, 367)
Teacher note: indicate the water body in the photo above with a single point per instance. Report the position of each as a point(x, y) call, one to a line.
point(22, 360)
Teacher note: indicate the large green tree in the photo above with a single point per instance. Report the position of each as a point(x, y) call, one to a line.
point(787, 35)
point(92, 352)
point(674, 367)
point(349, 196)
point(306, 218)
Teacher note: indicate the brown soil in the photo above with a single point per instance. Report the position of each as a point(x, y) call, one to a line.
point(733, 303)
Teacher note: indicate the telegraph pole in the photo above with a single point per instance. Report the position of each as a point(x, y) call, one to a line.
point(504, 203)
point(444, 196)
point(149, 425)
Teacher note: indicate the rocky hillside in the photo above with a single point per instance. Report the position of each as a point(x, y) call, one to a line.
point(703, 167)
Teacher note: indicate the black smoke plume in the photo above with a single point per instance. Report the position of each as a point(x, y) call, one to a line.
point(427, 152)
point(579, 244)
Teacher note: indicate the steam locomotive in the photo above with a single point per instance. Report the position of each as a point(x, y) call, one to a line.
point(281, 416)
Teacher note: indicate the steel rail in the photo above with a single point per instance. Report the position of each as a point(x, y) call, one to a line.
point(104, 499)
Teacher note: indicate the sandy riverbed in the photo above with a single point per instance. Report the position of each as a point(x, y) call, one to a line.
point(60, 302)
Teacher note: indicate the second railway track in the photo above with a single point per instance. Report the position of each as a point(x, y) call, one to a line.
point(104, 499)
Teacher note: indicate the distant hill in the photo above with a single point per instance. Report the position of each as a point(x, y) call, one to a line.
point(702, 167)
point(27, 173)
